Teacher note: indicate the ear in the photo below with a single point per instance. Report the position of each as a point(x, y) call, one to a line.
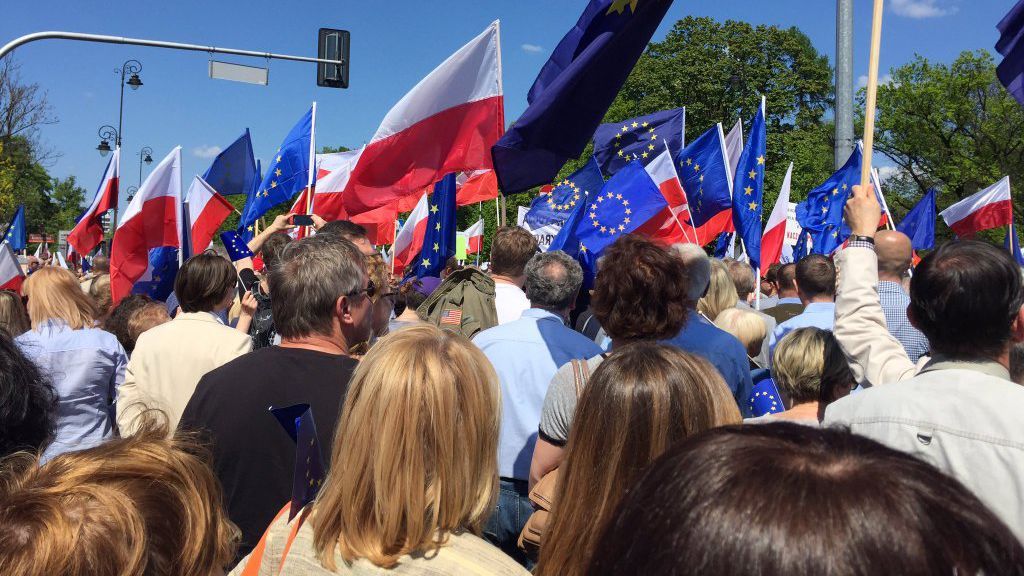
point(1017, 327)
point(343, 310)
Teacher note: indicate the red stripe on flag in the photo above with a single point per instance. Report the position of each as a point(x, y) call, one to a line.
point(154, 226)
point(989, 216)
point(208, 221)
point(88, 233)
point(477, 189)
point(771, 245)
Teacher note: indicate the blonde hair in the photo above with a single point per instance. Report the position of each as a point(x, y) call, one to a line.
point(99, 291)
point(721, 293)
point(147, 504)
point(149, 316)
point(808, 364)
point(415, 452)
point(54, 294)
point(746, 326)
point(13, 317)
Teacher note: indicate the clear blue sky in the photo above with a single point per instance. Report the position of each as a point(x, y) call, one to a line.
point(394, 44)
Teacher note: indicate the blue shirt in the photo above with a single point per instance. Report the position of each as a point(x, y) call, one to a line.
point(894, 304)
point(815, 315)
point(526, 353)
point(723, 350)
point(85, 367)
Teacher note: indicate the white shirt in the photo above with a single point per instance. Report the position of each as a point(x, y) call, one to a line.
point(510, 302)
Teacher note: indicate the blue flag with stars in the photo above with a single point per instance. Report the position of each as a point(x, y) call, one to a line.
point(297, 420)
point(233, 171)
point(822, 213)
point(16, 236)
point(705, 176)
point(748, 191)
point(919, 223)
point(574, 89)
point(236, 247)
point(800, 250)
point(765, 398)
point(567, 240)
point(640, 139)
point(287, 176)
point(626, 202)
point(158, 280)
point(554, 208)
point(723, 244)
point(439, 240)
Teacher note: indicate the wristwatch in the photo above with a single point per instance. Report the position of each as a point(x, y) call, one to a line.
point(861, 242)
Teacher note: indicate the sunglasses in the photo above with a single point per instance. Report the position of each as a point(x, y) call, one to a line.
point(370, 290)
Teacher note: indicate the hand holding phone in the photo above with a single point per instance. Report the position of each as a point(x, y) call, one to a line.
point(302, 220)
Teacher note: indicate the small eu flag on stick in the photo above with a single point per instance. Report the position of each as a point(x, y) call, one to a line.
point(236, 247)
point(297, 420)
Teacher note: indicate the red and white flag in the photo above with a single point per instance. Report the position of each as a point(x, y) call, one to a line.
point(409, 241)
point(206, 211)
point(379, 224)
point(446, 123)
point(990, 208)
point(476, 186)
point(88, 232)
point(672, 225)
point(774, 235)
point(330, 187)
point(474, 237)
point(11, 274)
point(150, 221)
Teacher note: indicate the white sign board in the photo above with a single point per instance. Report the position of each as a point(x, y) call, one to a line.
point(544, 235)
point(793, 227)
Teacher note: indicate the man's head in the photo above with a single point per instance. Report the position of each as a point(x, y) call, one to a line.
point(272, 248)
point(698, 268)
point(511, 248)
point(770, 282)
point(966, 298)
point(742, 276)
point(816, 279)
point(100, 265)
point(894, 255)
point(348, 230)
point(320, 290)
point(786, 281)
point(205, 283)
point(553, 280)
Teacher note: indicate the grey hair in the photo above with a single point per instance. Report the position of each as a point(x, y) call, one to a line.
point(698, 266)
point(309, 277)
point(552, 280)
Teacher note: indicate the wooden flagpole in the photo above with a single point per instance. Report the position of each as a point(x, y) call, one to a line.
point(872, 91)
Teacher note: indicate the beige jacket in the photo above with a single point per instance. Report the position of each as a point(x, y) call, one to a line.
point(168, 362)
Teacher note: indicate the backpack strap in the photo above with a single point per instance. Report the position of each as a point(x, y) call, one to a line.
point(580, 375)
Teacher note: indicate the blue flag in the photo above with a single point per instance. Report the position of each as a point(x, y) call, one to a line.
point(233, 171)
point(16, 236)
point(765, 398)
point(919, 223)
point(568, 241)
point(574, 89)
point(704, 173)
point(749, 189)
point(288, 175)
point(1012, 244)
point(297, 420)
point(640, 139)
point(439, 240)
point(821, 214)
point(800, 250)
point(626, 202)
point(722, 246)
point(86, 265)
point(554, 208)
point(1011, 46)
point(236, 247)
point(158, 280)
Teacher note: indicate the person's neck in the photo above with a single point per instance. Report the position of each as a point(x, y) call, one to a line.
point(805, 411)
point(516, 281)
point(817, 300)
point(408, 315)
point(563, 314)
point(890, 278)
point(318, 343)
point(788, 295)
point(1003, 358)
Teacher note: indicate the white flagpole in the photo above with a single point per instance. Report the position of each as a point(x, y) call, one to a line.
point(685, 197)
point(312, 164)
point(872, 92)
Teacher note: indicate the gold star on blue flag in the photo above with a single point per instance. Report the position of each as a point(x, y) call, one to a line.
point(746, 207)
point(619, 143)
point(554, 207)
point(15, 236)
point(233, 171)
point(439, 240)
point(627, 201)
point(821, 213)
point(704, 173)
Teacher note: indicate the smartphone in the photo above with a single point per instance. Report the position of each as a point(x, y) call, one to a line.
point(302, 220)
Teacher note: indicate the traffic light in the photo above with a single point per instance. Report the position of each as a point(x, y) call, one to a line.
point(332, 45)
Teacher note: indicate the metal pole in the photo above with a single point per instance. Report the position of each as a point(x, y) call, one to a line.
point(844, 81)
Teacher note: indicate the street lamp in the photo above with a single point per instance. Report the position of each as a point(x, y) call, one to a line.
point(106, 134)
point(132, 67)
point(131, 192)
point(145, 155)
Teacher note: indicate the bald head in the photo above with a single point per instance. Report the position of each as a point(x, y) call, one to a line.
point(894, 255)
point(698, 266)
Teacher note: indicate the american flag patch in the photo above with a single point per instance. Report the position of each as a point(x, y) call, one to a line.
point(453, 317)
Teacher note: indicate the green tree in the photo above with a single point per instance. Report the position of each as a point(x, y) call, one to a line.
point(67, 197)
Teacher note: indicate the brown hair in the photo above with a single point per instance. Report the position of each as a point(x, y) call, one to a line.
point(272, 247)
point(147, 504)
point(742, 276)
point(511, 248)
point(149, 316)
point(641, 291)
point(203, 282)
point(415, 452)
point(13, 317)
point(639, 402)
point(54, 294)
point(816, 276)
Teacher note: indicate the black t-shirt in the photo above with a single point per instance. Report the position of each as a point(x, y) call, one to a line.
point(253, 456)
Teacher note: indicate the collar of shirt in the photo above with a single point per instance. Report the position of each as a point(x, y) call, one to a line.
point(820, 308)
point(201, 316)
point(52, 325)
point(987, 367)
point(541, 314)
point(789, 300)
point(890, 286)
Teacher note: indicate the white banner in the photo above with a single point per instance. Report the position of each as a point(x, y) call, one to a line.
point(544, 235)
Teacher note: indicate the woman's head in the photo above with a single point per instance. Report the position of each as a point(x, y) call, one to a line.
point(205, 283)
point(99, 291)
point(140, 505)
point(789, 499)
point(809, 366)
point(640, 401)
point(28, 402)
point(721, 293)
point(13, 317)
point(746, 326)
point(54, 294)
point(427, 399)
point(641, 291)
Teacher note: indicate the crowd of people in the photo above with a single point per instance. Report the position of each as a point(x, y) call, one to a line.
point(841, 415)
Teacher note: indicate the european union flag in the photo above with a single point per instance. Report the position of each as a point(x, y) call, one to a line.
point(822, 213)
point(574, 90)
point(626, 202)
point(639, 139)
point(704, 174)
point(746, 207)
point(308, 477)
point(800, 250)
point(15, 236)
point(567, 240)
point(233, 171)
point(554, 208)
point(919, 223)
point(288, 175)
point(158, 280)
point(1011, 46)
point(723, 245)
point(439, 240)
point(236, 247)
point(765, 398)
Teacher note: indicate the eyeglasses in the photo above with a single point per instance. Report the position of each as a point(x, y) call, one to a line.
point(370, 290)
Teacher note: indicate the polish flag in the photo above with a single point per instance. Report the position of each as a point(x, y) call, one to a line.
point(410, 238)
point(668, 226)
point(327, 196)
point(150, 221)
point(446, 123)
point(299, 207)
point(474, 236)
point(207, 210)
point(774, 235)
point(88, 232)
point(990, 208)
point(379, 224)
point(11, 274)
point(474, 187)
